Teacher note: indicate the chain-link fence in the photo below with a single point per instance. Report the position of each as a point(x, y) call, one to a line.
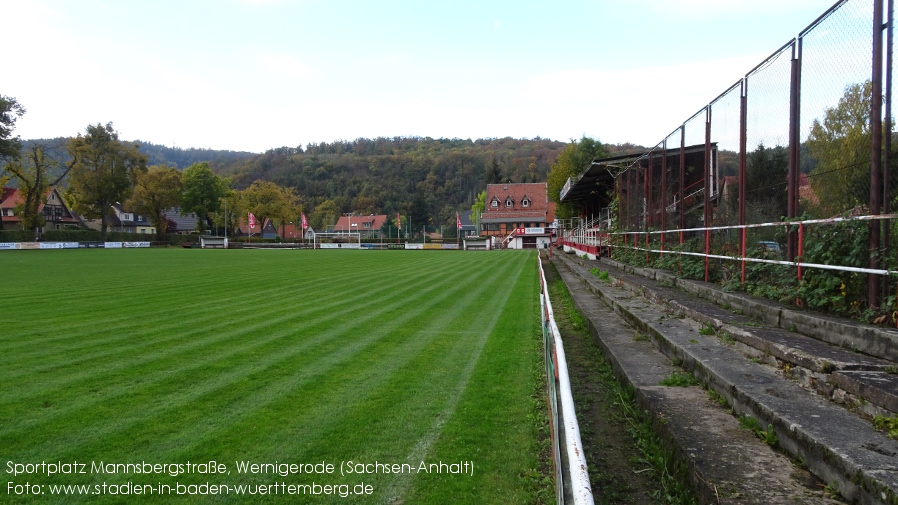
point(781, 182)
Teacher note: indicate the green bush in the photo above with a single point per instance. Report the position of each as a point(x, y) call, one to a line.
point(16, 236)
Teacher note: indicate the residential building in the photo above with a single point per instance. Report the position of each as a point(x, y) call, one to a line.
point(266, 230)
point(129, 222)
point(518, 215)
point(56, 212)
point(367, 226)
point(468, 228)
point(182, 224)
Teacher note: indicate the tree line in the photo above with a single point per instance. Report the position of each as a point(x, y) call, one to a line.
point(425, 180)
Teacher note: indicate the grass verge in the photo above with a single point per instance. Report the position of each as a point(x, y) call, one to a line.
point(628, 462)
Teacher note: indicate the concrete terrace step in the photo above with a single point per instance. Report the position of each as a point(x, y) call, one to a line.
point(815, 363)
point(818, 361)
point(837, 445)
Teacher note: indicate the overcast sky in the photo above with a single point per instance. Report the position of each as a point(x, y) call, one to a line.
point(250, 75)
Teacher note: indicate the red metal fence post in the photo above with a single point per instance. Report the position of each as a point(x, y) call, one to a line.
point(743, 166)
point(708, 210)
point(875, 157)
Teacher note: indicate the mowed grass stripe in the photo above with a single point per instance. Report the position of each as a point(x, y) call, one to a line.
point(231, 304)
point(506, 465)
point(138, 345)
point(114, 379)
point(434, 351)
point(485, 320)
point(398, 369)
point(198, 322)
point(281, 385)
point(190, 397)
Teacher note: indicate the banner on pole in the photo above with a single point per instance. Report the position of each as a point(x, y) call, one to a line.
point(252, 221)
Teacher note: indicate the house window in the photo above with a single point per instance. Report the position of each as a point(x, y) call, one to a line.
point(367, 224)
point(525, 202)
point(494, 203)
point(509, 202)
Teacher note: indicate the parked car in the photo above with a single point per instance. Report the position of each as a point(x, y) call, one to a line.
point(770, 248)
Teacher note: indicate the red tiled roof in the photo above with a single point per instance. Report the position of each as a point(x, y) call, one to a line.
point(374, 223)
point(536, 193)
point(11, 197)
point(805, 191)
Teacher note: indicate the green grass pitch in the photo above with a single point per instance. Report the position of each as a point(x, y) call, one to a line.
point(292, 357)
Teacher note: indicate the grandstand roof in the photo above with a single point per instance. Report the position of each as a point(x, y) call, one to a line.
point(598, 178)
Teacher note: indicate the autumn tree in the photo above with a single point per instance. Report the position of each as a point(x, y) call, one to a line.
point(325, 213)
point(10, 111)
point(35, 173)
point(267, 200)
point(570, 163)
point(203, 193)
point(841, 145)
point(478, 208)
point(104, 171)
point(229, 216)
point(157, 189)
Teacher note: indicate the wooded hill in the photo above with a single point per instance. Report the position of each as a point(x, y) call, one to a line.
point(426, 179)
point(158, 154)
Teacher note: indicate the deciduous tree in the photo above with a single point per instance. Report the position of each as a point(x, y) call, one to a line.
point(203, 193)
point(10, 111)
point(35, 174)
point(267, 200)
point(325, 213)
point(841, 144)
point(104, 171)
point(478, 208)
point(157, 189)
point(571, 162)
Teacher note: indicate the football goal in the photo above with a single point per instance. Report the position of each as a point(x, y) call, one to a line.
point(351, 240)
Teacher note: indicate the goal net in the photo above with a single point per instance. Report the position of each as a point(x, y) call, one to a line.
point(351, 240)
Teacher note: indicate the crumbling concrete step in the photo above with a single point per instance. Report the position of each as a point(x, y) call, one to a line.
point(817, 358)
point(835, 444)
point(728, 464)
point(878, 341)
point(878, 388)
